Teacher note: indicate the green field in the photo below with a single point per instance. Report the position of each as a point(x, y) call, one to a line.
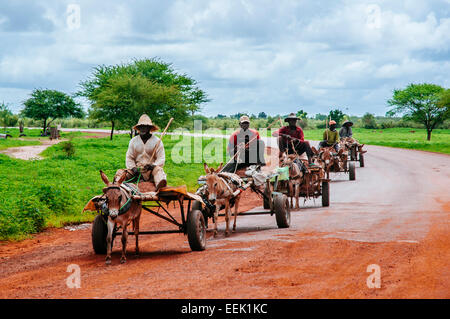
point(52, 192)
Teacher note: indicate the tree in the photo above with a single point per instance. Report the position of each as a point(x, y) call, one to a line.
point(303, 121)
point(124, 98)
point(368, 121)
point(320, 117)
point(161, 75)
point(423, 103)
point(262, 115)
point(7, 118)
point(301, 114)
point(48, 105)
point(336, 115)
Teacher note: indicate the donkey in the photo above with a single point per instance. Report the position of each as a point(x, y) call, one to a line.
point(295, 177)
point(122, 210)
point(220, 192)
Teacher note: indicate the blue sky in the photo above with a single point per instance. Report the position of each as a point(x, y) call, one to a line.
point(249, 56)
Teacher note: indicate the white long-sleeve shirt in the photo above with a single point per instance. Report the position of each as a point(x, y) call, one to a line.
point(139, 154)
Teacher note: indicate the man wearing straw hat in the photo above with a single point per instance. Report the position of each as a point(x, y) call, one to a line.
point(250, 142)
point(145, 156)
point(292, 139)
point(346, 129)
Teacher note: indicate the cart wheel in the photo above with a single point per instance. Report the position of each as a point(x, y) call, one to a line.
point(361, 160)
point(196, 205)
point(282, 210)
point(352, 171)
point(325, 194)
point(196, 230)
point(354, 155)
point(99, 233)
point(266, 200)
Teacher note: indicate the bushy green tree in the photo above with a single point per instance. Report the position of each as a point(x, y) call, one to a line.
point(428, 104)
point(7, 118)
point(336, 115)
point(262, 115)
point(47, 105)
point(302, 114)
point(368, 121)
point(169, 93)
point(126, 97)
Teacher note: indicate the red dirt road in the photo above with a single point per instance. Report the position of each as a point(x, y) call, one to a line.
point(396, 215)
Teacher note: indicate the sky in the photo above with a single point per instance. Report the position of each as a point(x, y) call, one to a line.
point(249, 56)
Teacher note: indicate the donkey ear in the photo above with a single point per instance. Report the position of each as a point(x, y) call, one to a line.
point(314, 150)
point(220, 167)
point(121, 179)
point(207, 169)
point(104, 177)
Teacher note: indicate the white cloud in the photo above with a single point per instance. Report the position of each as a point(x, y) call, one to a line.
point(269, 56)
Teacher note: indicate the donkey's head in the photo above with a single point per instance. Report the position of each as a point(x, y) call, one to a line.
point(213, 183)
point(113, 194)
point(325, 155)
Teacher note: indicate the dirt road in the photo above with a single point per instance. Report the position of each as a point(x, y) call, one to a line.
point(395, 215)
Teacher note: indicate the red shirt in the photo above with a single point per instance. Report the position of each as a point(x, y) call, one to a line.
point(234, 137)
point(298, 133)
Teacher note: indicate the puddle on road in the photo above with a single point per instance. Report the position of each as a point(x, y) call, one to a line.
point(77, 227)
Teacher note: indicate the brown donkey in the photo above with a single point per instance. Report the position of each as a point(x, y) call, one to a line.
point(295, 177)
point(220, 191)
point(122, 210)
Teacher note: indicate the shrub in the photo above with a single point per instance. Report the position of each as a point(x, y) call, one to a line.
point(8, 224)
point(68, 147)
point(30, 215)
point(57, 199)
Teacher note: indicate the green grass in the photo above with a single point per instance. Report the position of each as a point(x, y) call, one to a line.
point(32, 137)
point(52, 192)
point(9, 142)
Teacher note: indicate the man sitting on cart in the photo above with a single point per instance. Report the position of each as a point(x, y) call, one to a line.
point(145, 157)
point(248, 143)
point(346, 129)
point(330, 137)
point(291, 138)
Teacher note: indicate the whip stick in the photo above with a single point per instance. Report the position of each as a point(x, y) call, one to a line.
point(159, 141)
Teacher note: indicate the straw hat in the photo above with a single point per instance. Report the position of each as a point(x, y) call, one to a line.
point(244, 119)
point(291, 116)
point(350, 123)
point(145, 120)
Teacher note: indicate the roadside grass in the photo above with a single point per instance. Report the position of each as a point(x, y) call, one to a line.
point(52, 192)
point(32, 137)
point(10, 142)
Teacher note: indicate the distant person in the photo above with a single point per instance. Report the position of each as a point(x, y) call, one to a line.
point(346, 129)
point(252, 152)
point(330, 137)
point(291, 138)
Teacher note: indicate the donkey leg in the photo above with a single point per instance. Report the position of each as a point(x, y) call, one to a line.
point(236, 206)
point(216, 216)
point(297, 196)
point(123, 259)
point(110, 225)
point(227, 219)
point(136, 234)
